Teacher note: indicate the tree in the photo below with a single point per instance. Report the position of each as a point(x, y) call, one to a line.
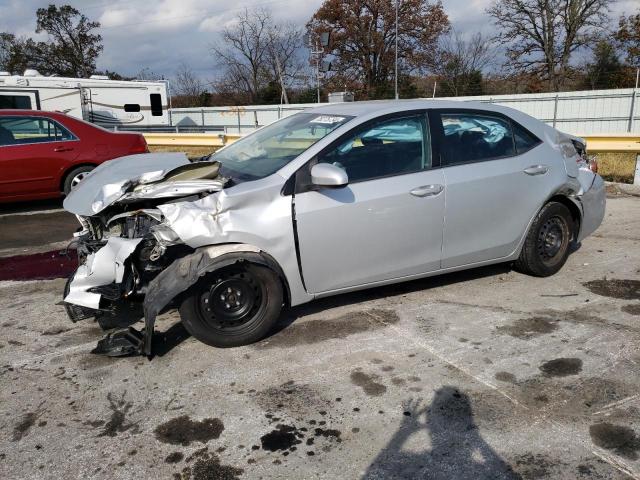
point(628, 37)
point(460, 63)
point(605, 70)
point(541, 35)
point(363, 39)
point(71, 49)
point(255, 52)
point(187, 87)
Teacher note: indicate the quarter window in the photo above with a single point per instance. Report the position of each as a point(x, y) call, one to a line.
point(475, 137)
point(29, 130)
point(390, 147)
point(525, 141)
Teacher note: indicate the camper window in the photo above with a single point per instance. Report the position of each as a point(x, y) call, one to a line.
point(156, 104)
point(15, 101)
point(131, 107)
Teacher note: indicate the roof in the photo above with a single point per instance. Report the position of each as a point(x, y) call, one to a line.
point(389, 106)
point(31, 113)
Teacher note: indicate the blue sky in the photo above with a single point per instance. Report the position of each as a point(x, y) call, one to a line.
point(159, 34)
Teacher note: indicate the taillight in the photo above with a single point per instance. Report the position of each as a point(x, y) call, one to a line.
point(140, 146)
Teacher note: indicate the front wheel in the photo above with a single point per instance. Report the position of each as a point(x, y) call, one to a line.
point(546, 247)
point(234, 306)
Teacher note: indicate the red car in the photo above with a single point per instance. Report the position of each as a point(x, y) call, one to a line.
point(45, 154)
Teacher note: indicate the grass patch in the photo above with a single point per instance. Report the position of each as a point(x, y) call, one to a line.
point(617, 166)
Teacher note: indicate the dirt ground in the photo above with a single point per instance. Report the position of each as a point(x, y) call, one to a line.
point(485, 374)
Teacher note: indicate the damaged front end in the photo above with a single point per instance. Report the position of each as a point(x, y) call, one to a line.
point(125, 241)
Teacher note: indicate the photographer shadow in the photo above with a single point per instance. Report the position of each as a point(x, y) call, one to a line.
point(457, 451)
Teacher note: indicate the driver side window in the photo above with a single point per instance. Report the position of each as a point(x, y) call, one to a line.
point(384, 148)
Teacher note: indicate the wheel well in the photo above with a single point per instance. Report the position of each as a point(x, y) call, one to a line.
point(66, 173)
point(573, 208)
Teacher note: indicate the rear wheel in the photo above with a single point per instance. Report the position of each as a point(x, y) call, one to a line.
point(234, 306)
point(74, 177)
point(546, 247)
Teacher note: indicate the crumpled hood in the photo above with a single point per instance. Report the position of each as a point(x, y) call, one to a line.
point(106, 183)
point(140, 177)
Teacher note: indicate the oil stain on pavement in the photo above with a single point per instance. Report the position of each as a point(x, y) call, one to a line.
point(526, 328)
point(562, 367)
point(621, 289)
point(182, 430)
point(368, 383)
point(620, 439)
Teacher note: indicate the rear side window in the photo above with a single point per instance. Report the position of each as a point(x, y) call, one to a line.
point(156, 104)
point(131, 107)
point(384, 148)
point(472, 137)
point(525, 140)
point(15, 101)
point(30, 130)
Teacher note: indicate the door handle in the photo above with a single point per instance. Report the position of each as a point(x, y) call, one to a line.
point(62, 149)
point(427, 190)
point(536, 170)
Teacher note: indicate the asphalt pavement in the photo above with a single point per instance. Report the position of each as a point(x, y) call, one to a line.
point(484, 374)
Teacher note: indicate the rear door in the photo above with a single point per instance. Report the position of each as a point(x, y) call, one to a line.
point(33, 150)
point(387, 222)
point(497, 176)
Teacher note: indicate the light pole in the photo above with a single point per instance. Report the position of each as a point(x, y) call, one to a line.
point(396, 74)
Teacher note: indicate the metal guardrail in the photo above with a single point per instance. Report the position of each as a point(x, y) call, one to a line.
point(612, 143)
point(215, 140)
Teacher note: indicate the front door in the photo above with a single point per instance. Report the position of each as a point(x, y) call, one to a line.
point(387, 222)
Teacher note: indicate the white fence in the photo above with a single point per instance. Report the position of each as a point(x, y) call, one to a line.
point(579, 113)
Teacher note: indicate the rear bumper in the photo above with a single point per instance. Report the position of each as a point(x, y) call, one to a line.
point(593, 203)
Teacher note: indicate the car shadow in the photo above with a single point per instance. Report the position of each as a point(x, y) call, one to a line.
point(454, 449)
point(30, 206)
point(292, 314)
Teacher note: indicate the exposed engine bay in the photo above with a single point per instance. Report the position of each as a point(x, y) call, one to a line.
point(124, 241)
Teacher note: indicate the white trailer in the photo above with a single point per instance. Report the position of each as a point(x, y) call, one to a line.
point(108, 103)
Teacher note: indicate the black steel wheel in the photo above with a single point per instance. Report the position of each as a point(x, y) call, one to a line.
point(234, 306)
point(546, 247)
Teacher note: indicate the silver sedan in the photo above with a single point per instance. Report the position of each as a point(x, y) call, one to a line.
point(339, 198)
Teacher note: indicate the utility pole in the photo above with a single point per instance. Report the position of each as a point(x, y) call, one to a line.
point(396, 74)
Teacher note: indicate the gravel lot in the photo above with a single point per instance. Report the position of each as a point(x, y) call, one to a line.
point(486, 374)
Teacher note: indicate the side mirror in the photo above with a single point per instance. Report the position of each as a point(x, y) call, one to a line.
point(328, 175)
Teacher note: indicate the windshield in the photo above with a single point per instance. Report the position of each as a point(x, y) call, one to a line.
point(272, 147)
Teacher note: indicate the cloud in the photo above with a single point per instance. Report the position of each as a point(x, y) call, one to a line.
point(159, 35)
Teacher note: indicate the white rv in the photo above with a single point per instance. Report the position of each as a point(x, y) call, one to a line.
point(97, 99)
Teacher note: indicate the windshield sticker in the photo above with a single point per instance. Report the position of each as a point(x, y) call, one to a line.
point(327, 119)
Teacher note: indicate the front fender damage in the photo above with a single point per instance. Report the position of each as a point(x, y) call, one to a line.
point(178, 277)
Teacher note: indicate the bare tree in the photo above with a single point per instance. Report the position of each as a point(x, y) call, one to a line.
point(256, 52)
point(188, 86)
point(461, 61)
point(541, 35)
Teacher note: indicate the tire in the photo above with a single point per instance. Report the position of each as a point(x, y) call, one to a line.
point(234, 306)
point(74, 176)
point(548, 242)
